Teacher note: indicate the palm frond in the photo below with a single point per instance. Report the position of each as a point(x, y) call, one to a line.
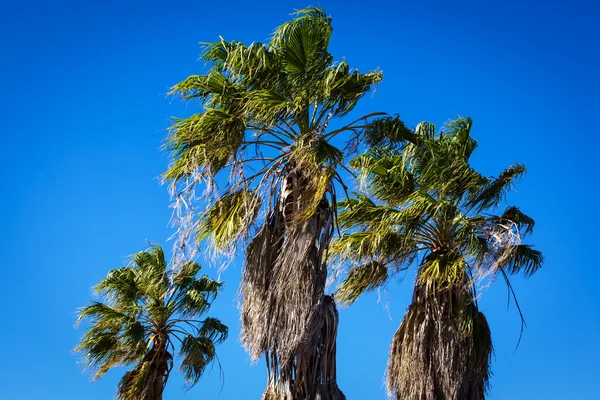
point(186, 274)
point(198, 296)
point(514, 215)
point(204, 142)
point(388, 131)
point(366, 277)
point(119, 286)
point(383, 246)
point(230, 218)
point(378, 169)
point(197, 353)
point(493, 193)
point(214, 330)
point(521, 258)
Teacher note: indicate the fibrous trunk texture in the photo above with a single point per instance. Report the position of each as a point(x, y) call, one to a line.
point(442, 349)
point(285, 314)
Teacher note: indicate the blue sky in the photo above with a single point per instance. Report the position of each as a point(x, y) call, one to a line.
point(83, 113)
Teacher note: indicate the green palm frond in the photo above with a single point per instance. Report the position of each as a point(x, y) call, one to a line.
point(366, 277)
point(425, 131)
point(516, 216)
point(522, 258)
point(214, 330)
point(363, 212)
point(102, 313)
point(204, 142)
point(229, 218)
point(197, 298)
point(101, 349)
point(186, 274)
point(388, 131)
point(202, 87)
point(379, 169)
point(344, 87)
point(460, 132)
point(119, 286)
point(493, 193)
point(385, 246)
point(197, 353)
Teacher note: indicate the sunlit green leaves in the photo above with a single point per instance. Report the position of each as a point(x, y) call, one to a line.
point(362, 278)
point(419, 194)
point(204, 142)
point(262, 98)
point(229, 218)
point(146, 308)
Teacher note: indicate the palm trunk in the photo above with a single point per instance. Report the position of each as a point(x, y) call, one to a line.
point(442, 349)
point(148, 379)
point(285, 313)
point(160, 360)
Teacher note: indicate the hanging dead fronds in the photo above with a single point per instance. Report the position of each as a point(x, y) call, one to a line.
point(285, 314)
point(442, 349)
point(311, 374)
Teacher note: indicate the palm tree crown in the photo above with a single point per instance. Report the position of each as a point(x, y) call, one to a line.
point(425, 200)
point(266, 112)
point(268, 121)
point(147, 312)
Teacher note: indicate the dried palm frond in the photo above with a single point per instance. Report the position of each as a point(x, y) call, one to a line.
point(311, 374)
point(441, 350)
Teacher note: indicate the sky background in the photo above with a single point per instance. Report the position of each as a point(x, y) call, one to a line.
point(84, 111)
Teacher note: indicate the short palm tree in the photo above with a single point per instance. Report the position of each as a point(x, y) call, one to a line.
point(424, 202)
point(270, 114)
point(148, 312)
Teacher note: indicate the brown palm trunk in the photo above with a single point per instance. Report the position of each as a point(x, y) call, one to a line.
point(160, 362)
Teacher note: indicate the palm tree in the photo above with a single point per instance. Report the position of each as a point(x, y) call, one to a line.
point(147, 311)
point(422, 201)
point(268, 120)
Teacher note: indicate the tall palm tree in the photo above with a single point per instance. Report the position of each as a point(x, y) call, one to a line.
point(268, 120)
point(422, 201)
point(148, 312)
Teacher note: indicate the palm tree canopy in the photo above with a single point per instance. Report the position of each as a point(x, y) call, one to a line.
point(266, 111)
point(146, 312)
point(424, 198)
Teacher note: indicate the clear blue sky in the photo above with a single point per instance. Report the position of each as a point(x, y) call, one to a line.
point(83, 112)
